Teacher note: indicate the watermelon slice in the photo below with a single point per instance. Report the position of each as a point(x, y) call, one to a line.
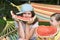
point(20, 17)
point(26, 19)
point(46, 31)
point(23, 18)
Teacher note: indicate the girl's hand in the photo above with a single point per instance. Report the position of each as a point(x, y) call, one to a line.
point(31, 20)
point(22, 39)
point(14, 16)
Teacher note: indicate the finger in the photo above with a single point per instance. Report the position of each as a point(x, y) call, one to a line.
point(34, 17)
point(12, 13)
point(14, 17)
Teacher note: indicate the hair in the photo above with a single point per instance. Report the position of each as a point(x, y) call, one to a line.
point(33, 14)
point(57, 16)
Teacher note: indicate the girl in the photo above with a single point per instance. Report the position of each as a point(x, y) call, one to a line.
point(55, 21)
point(26, 29)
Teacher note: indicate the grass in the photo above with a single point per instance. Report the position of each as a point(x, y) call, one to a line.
point(2, 24)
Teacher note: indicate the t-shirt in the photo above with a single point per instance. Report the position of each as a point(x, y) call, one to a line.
point(31, 26)
point(57, 36)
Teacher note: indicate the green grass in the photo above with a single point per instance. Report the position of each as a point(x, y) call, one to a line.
point(2, 24)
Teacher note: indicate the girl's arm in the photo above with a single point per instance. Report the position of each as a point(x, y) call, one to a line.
point(29, 32)
point(19, 25)
point(21, 30)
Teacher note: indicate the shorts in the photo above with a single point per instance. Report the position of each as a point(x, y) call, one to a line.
point(34, 38)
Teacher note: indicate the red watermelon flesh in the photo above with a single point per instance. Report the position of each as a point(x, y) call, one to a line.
point(52, 29)
point(23, 18)
point(46, 30)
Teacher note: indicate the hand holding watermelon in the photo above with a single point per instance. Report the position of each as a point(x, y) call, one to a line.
point(14, 16)
point(29, 20)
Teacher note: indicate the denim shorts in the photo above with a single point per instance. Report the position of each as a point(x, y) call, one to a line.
point(34, 38)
